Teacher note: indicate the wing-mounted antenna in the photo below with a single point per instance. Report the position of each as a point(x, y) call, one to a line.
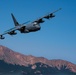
point(15, 21)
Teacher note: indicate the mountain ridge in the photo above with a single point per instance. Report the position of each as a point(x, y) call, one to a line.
point(15, 58)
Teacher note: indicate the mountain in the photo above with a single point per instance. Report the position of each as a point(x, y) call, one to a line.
point(14, 63)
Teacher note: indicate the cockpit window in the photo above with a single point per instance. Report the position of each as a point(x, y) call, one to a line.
point(35, 23)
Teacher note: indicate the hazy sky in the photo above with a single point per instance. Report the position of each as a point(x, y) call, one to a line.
point(57, 37)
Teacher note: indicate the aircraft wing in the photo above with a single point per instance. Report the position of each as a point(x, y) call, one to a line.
point(50, 15)
point(10, 32)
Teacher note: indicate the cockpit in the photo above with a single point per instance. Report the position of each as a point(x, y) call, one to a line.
point(35, 23)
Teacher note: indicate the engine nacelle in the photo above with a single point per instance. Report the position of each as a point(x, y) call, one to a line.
point(52, 15)
point(49, 16)
point(40, 21)
point(12, 33)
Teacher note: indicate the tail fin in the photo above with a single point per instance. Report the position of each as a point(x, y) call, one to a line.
point(14, 19)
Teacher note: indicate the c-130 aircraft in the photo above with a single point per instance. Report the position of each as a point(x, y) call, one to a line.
point(26, 28)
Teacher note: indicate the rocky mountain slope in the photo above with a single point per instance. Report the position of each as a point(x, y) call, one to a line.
point(12, 62)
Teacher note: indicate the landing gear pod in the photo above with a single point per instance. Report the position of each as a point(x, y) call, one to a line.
point(1, 37)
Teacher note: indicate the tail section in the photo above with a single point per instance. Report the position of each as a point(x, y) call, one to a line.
point(14, 19)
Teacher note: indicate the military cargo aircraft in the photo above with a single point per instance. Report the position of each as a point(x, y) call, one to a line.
point(27, 28)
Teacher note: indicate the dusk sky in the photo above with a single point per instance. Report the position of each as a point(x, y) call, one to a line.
point(57, 37)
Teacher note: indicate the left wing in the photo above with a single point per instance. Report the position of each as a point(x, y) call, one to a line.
point(10, 32)
point(50, 15)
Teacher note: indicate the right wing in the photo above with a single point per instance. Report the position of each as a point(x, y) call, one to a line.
point(50, 15)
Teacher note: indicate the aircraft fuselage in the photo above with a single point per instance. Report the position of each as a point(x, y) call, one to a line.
point(32, 27)
point(26, 28)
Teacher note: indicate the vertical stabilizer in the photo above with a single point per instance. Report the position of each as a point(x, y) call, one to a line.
point(14, 19)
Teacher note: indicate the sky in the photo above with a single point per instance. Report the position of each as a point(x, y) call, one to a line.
point(57, 37)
